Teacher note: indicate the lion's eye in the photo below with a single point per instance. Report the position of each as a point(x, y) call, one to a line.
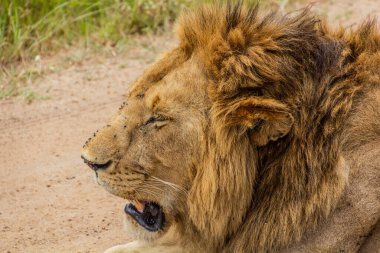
point(155, 118)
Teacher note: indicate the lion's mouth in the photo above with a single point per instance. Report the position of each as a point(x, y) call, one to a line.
point(148, 214)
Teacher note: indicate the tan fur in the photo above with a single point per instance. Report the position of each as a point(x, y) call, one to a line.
point(268, 125)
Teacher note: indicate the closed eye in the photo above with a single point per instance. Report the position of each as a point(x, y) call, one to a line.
point(155, 118)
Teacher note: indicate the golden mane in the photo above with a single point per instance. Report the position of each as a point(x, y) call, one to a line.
point(276, 75)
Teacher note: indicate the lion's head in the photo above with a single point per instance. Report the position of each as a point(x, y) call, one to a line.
point(150, 150)
point(211, 141)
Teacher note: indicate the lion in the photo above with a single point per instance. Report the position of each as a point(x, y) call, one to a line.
point(259, 132)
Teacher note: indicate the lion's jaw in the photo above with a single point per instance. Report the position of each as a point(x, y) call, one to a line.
point(147, 152)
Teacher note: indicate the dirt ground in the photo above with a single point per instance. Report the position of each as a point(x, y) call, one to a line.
point(49, 201)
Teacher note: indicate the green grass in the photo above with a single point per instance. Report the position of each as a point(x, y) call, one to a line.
point(31, 27)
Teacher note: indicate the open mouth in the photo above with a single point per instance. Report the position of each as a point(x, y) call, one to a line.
point(148, 214)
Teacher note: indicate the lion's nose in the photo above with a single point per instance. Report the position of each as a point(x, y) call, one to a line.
point(96, 166)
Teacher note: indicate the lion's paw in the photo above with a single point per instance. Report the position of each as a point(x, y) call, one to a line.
point(132, 247)
point(142, 247)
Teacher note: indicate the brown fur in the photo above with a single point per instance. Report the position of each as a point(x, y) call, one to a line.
point(264, 119)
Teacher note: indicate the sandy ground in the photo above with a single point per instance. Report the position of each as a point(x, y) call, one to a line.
point(49, 201)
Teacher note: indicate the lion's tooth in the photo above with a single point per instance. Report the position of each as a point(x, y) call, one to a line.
point(139, 206)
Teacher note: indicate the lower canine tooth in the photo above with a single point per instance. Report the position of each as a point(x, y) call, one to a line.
point(139, 206)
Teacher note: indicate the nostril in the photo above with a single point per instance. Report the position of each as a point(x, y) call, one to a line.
point(97, 166)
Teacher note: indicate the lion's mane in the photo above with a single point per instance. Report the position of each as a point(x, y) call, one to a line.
point(297, 81)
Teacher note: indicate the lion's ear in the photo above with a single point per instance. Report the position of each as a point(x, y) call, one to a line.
point(266, 119)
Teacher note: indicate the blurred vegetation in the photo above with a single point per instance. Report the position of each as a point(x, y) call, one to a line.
point(28, 27)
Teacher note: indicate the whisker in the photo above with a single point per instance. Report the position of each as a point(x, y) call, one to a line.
point(146, 191)
point(171, 185)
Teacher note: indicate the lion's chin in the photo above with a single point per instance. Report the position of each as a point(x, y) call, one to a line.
point(149, 215)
